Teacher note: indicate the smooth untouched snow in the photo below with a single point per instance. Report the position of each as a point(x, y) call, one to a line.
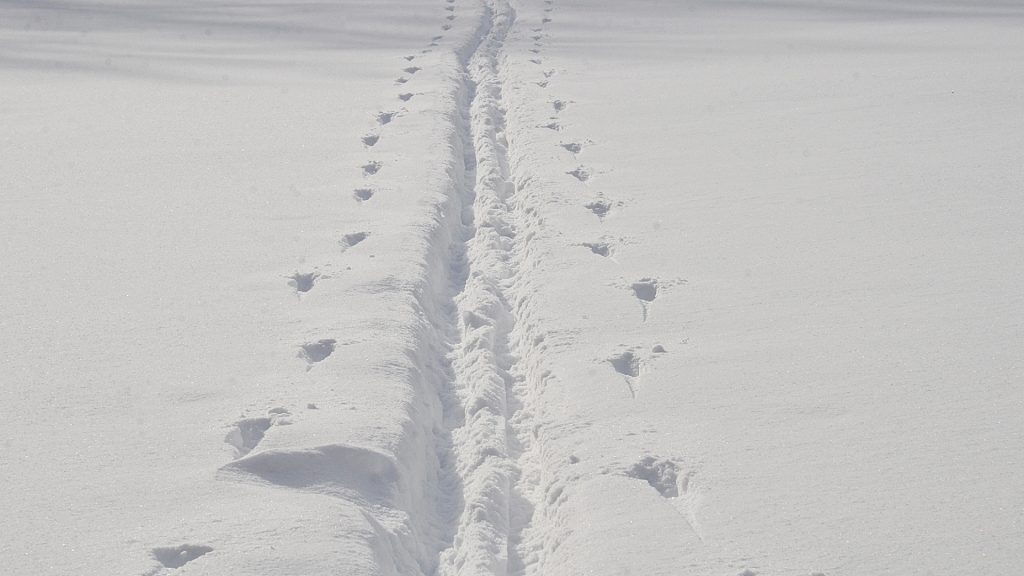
point(511, 287)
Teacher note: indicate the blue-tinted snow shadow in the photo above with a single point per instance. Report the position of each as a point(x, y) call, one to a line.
point(193, 39)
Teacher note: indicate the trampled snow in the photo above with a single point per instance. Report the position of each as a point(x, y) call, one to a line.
point(511, 287)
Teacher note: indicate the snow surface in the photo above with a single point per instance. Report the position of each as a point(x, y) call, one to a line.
point(511, 287)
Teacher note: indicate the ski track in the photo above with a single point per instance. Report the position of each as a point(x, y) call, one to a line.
point(490, 445)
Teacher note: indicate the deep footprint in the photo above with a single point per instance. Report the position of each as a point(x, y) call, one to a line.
point(599, 248)
point(386, 117)
point(626, 363)
point(573, 147)
point(406, 96)
point(362, 194)
point(370, 139)
point(313, 352)
point(350, 240)
point(178, 556)
point(247, 434)
point(600, 208)
point(662, 475)
point(372, 168)
point(582, 174)
point(646, 289)
point(303, 282)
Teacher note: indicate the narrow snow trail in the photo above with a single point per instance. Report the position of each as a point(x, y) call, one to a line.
point(484, 356)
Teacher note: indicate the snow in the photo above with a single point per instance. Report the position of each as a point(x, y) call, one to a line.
point(511, 287)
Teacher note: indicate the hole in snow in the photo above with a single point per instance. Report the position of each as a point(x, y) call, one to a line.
point(178, 556)
point(599, 248)
point(646, 289)
point(660, 474)
point(600, 208)
point(371, 168)
point(313, 352)
point(247, 434)
point(626, 364)
point(303, 282)
point(350, 240)
point(573, 147)
point(581, 174)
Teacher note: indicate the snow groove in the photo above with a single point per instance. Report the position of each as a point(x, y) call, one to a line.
point(487, 378)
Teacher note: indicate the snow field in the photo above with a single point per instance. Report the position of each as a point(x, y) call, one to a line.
point(511, 287)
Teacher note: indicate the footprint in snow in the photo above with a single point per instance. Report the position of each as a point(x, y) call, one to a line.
point(645, 290)
point(406, 96)
point(303, 281)
point(370, 139)
point(350, 240)
point(314, 352)
point(628, 365)
point(246, 434)
point(574, 147)
point(600, 208)
point(599, 248)
point(372, 168)
point(178, 556)
point(362, 194)
point(412, 69)
point(386, 117)
point(581, 173)
point(660, 474)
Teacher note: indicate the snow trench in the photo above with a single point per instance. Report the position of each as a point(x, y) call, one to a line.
point(487, 410)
